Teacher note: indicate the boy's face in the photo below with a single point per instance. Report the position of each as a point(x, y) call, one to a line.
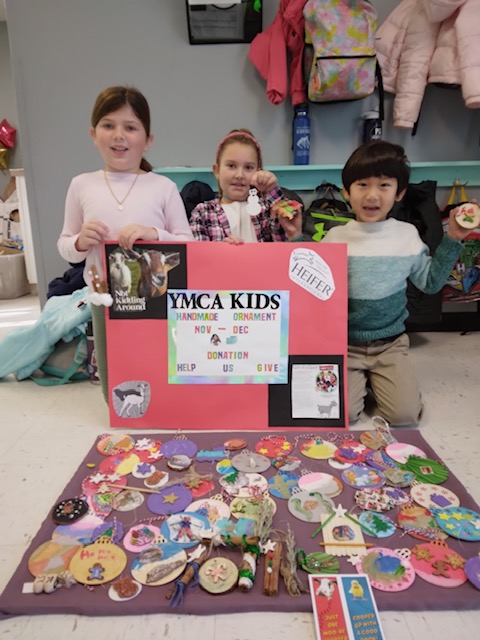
point(372, 198)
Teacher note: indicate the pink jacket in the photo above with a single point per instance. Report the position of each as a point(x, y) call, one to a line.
point(268, 53)
point(429, 41)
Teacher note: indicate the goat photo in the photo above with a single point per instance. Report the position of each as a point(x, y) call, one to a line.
point(139, 278)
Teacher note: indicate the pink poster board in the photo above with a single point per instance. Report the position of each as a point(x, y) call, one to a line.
point(278, 361)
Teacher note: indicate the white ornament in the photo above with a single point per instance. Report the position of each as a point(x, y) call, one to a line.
point(253, 207)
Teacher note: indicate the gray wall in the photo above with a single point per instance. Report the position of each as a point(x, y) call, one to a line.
point(63, 52)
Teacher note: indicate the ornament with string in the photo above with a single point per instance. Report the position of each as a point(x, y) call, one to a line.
point(253, 207)
point(100, 295)
point(342, 533)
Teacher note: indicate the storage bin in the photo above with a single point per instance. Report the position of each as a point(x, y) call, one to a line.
point(13, 274)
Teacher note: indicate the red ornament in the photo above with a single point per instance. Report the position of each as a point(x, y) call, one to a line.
point(7, 134)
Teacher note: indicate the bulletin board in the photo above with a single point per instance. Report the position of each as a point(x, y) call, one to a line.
point(248, 337)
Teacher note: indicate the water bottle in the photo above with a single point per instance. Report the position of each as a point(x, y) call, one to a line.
point(301, 135)
point(372, 126)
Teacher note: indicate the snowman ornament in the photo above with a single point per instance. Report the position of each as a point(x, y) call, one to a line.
point(253, 207)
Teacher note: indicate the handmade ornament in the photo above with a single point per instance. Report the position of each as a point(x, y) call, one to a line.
point(400, 451)
point(235, 444)
point(140, 537)
point(80, 530)
point(273, 446)
point(96, 482)
point(426, 470)
point(379, 460)
point(398, 495)
point(45, 583)
point(377, 524)
point(244, 485)
point(419, 523)
point(119, 465)
point(156, 480)
point(472, 571)
point(225, 467)
point(309, 506)
point(250, 507)
point(7, 134)
point(186, 529)
point(52, 556)
point(149, 450)
point(271, 573)
point(143, 470)
point(374, 499)
point(159, 564)
point(468, 215)
point(317, 448)
point(250, 462)
point(398, 477)
point(437, 564)
point(179, 445)
point(172, 499)
point(286, 463)
point(380, 436)
point(128, 500)
point(432, 496)
point(199, 484)
point(340, 466)
point(98, 563)
point(179, 462)
point(387, 570)
point(113, 444)
point(112, 530)
point(248, 567)
point(286, 208)
point(253, 207)
point(342, 533)
point(69, 510)
point(328, 485)
point(213, 455)
point(213, 509)
point(218, 575)
point(124, 589)
point(100, 295)
point(361, 476)
point(459, 522)
point(317, 562)
point(351, 451)
point(101, 504)
point(281, 484)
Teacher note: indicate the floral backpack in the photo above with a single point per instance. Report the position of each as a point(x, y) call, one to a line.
point(340, 61)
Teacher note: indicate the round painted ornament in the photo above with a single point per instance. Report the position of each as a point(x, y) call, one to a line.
point(387, 569)
point(180, 445)
point(114, 444)
point(379, 460)
point(213, 509)
point(52, 556)
point(273, 446)
point(140, 537)
point(179, 462)
point(432, 496)
point(100, 483)
point(317, 562)
point(398, 477)
point(374, 499)
point(468, 215)
point(69, 510)
point(282, 483)
point(426, 469)
point(250, 462)
point(376, 524)
point(400, 451)
point(143, 470)
point(252, 508)
point(361, 476)
point(159, 564)
point(235, 444)
point(200, 488)
point(352, 452)
point(244, 484)
point(98, 563)
point(286, 463)
point(317, 449)
point(128, 500)
point(81, 530)
point(225, 467)
point(174, 499)
point(186, 529)
point(149, 450)
point(325, 483)
point(309, 506)
point(459, 522)
point(156, 480)
point(472, 570)
point(119, 465)
point(112, 530)
point(437, 564)
point(218, 575)
point(124, 589)
point(100, 504)
point(419, 523)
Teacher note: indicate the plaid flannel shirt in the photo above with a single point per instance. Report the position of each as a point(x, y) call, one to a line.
point(209, 220)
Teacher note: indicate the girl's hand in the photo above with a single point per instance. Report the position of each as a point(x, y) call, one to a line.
point(264, 181)
point(127, 236)
point(455, 231)
point(92, 233)
point(234, 240)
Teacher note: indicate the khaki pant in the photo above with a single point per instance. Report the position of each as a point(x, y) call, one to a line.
point(387, 368)
point(100, 341)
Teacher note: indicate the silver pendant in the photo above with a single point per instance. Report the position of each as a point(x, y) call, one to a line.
point(120, 207)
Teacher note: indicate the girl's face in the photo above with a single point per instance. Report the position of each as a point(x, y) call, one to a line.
point(122, 140)
point(237, 164)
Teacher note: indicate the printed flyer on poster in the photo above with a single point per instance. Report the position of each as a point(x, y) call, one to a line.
point(227, 337)
point(344, 607)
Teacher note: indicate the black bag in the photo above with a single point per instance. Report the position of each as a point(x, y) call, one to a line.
point(329, 209)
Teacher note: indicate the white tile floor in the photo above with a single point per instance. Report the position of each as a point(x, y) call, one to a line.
point(46, 432)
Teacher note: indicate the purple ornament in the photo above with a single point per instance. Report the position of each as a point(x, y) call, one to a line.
point(181, 446)
point(170, 500)
point(472, 569)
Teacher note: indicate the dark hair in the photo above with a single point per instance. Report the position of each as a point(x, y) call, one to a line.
point(114, 98)
point(377, 158)
point(245, 136)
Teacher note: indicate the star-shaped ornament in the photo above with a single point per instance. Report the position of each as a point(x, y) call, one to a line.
point(268, 546)
point(196, 553)
point(340, 511)
point(97, 478)
point(170, 498)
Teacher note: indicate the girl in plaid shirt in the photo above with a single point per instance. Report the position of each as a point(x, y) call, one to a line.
point(229, 217)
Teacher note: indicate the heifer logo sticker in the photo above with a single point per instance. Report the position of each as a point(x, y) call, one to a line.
point(312, 273)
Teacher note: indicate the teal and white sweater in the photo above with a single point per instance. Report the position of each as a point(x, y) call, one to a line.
point(381, 257)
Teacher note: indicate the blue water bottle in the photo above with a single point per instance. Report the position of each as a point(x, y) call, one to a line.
point(301, 135)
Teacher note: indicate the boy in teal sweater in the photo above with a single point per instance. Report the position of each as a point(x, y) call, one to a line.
point(382, 254)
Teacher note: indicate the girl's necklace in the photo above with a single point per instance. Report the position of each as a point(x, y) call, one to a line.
point(119, 202)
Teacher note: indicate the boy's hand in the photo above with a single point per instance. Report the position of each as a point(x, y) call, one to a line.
point(264, 181)
point(92, 233)
point(455, 231)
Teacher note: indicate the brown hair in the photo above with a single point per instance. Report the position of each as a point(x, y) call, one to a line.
point(239, 135)
point(114, 98)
